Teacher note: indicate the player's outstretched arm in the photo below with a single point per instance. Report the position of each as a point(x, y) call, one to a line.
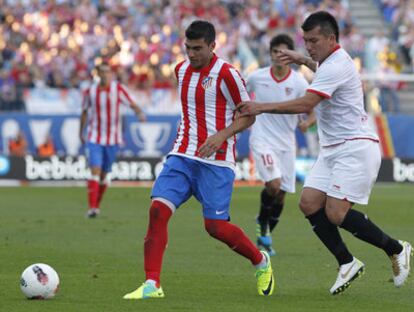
point(213, 143)
point(304, 104)
point(294, 57)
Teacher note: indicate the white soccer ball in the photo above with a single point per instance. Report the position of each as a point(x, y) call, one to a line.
point(39, 281)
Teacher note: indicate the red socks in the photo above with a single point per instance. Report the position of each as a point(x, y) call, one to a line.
point(234, 237)
point(156, 240)
point(93, 193)
point(102, 189)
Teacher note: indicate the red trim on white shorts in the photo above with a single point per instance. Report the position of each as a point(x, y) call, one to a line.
point(362, 138)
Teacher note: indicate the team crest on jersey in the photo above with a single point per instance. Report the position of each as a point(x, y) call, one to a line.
point(207, 82)
point(288, 91)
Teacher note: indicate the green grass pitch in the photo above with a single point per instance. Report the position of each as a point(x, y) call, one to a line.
point(100, 260)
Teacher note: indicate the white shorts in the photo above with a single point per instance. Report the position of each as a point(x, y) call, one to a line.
point(274, 164)
point(346, 171)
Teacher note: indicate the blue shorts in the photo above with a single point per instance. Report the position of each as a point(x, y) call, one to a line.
point(102, 156)
point(211, 185)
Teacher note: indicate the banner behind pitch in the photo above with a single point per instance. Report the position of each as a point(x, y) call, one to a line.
point(69, 168)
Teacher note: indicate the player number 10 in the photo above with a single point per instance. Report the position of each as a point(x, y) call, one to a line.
point(267, 159)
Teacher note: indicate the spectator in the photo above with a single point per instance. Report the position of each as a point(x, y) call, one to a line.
point(47, 149)
point(18, 146)
point(388, 97)
point(54, 40)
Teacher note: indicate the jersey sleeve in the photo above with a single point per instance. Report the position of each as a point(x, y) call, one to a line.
point(233, 86)
point(177, 68)
point(86, 99)
point(327, 79)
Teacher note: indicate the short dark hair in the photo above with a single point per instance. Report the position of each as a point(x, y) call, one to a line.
point(282, 39)
point(325, 20)
point(201, 30)
point(103, 64)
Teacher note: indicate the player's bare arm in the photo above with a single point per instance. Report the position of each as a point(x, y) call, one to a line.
point(213, 143)
point(294, 57)
point(83, 118)
point(304, 104)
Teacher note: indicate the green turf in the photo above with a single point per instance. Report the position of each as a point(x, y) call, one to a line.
point(100, 260)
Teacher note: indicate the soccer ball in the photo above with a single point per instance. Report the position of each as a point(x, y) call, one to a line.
point(39, 281)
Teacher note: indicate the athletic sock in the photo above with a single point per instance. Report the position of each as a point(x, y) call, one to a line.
point(275, 211)
point(156, 240)
point(329, 235)
point(93, 192)
point(235, 238)
point(102, 189)
point(262, 264)
point(361, 227)
point(264, 215)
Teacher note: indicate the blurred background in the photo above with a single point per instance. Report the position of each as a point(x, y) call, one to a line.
point(48, 51)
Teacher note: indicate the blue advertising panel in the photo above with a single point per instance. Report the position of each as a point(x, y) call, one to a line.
point(151, 139)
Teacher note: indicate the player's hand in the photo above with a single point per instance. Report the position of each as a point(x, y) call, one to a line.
point(290, 57)
point(141, 116)
point(211, 145)
point(303, 126)
point(248, 109)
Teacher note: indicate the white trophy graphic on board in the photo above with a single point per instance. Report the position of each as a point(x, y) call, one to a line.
point(150, 137)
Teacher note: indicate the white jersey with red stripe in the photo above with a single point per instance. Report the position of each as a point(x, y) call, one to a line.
point(209, 97)
point(104, 117)
point(341, 115)
point(273, 130)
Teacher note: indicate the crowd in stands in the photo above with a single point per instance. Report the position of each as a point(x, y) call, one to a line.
point(399, 14)
point(57, 43)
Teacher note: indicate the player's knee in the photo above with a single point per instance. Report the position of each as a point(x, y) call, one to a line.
point(159, 211)
point(306, 206)
point(334, 216)
point(273, 187)
point(212, 227)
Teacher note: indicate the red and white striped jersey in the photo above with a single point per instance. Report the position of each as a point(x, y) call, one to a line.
point(104, 118)
point(209, 97)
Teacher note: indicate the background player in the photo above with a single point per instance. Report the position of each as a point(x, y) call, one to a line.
point(101, 110)
point(272, 137)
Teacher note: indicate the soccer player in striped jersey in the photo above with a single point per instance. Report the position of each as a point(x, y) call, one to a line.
point(272, 138)
point(350, 158)
point(202, 161)
point(101, 114)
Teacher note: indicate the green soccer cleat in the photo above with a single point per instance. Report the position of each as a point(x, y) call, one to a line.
point(146, 291)
point(265, 279)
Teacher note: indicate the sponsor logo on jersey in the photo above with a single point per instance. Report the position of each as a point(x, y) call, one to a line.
point(288, 91)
